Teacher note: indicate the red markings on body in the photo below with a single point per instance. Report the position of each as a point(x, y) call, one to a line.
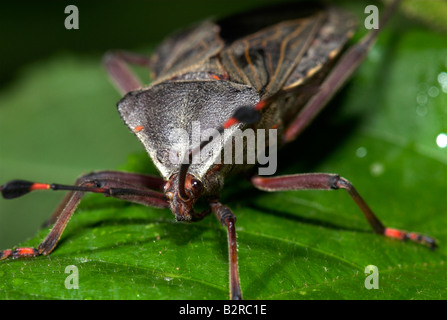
point(230, 122)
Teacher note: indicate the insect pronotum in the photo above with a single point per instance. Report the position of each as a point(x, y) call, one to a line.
point(279, 73)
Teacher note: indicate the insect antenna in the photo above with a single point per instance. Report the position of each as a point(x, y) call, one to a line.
point(17, 188)
point(244, 114)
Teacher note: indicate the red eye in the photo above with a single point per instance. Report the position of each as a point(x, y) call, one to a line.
point(196, 186)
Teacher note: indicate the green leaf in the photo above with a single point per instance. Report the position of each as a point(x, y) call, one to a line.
point(380, 132)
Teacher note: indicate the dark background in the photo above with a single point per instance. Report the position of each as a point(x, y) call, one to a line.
point(32, 30)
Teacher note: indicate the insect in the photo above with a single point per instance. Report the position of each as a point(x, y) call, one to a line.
point(279, 75)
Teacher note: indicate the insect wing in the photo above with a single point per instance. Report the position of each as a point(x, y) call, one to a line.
point(331, 38)
point(288, 52)
point(186, 49)
point(266, 58)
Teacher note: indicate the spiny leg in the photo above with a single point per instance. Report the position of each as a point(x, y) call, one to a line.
point(228, 219)
point(96, 183)
point(326, 181)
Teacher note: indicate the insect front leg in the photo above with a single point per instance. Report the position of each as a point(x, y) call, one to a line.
point(228, 219)
point(326, 181)
point(126, 186)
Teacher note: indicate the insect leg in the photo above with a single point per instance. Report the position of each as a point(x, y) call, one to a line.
point(340, 74)
point(142, 180)
point(95, 182)
point(326, 181)
point(228, 219)
point(116, 64)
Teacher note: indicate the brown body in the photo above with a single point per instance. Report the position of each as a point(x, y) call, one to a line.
point(206, 73)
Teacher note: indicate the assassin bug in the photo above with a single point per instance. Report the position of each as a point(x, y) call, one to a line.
point(279, 75)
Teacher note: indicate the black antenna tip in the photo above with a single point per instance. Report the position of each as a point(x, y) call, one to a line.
point(15, 188)
point(247, 114)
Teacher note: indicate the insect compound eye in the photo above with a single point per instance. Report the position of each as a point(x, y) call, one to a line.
point(196, 186)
